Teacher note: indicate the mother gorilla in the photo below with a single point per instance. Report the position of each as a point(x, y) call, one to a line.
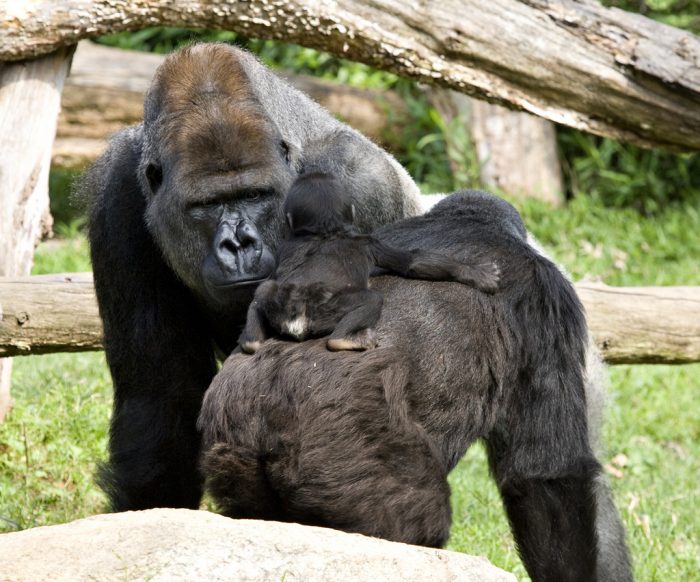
point(363, 442)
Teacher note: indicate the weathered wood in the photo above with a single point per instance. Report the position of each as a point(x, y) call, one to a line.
point(516, 151)
point(631, 325)
point(104, 93)
point(575, 62)
point(49, 313)
point(644, 325)
point(30, 95)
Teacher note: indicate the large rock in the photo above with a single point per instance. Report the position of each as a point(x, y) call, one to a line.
point(179, 544)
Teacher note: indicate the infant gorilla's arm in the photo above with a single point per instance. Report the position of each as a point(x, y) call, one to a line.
point(349, 315)
point(421, 264)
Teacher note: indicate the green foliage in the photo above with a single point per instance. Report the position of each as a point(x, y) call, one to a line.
point(63, 255)
point(420, 143)
point(51, 440)
point(619, 246)
point(680, 13)
point(624, 176)
point(63, 209)
point(439, 156)
point(272, 53)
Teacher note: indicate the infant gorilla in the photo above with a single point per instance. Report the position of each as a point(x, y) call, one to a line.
point(320, 285)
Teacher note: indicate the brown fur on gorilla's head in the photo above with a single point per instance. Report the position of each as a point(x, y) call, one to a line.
point(201, 101)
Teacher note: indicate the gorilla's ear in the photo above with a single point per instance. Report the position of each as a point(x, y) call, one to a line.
point(290, 152)
point(154, 176)
point(284, 146)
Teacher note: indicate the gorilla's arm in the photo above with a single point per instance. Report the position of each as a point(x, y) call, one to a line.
point(424, 264)
point(160, 356)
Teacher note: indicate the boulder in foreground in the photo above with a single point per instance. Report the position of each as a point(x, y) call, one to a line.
point(180, 544)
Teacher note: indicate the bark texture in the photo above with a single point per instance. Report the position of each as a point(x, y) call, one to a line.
point(516, 152)
point(575, 62)
point(631, 325)
point(30, 96)
point(49, 313)
point(647, 325)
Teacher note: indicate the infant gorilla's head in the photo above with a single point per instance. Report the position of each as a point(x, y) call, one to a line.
point(317, 204)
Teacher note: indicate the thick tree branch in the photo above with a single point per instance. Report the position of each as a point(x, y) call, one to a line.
point(575, 62)
point(58, 313)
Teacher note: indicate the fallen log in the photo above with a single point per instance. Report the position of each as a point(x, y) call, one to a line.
point(631, 325)
point(644, 325)
point(43, 314)
point(575, 62)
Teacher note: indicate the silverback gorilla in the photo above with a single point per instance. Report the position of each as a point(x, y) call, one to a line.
point(363, 442)
point(184, 223)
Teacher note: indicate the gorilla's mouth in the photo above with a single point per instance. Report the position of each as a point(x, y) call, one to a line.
point(240, 283)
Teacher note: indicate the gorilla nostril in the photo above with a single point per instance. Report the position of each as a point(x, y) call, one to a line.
point(229, 244)
point(247, 234)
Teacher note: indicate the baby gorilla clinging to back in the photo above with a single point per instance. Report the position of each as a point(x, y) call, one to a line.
point(320, 285)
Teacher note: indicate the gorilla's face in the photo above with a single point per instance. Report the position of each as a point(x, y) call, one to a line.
point(216, 189)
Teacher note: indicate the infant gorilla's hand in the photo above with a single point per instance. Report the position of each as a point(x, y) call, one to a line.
point(484, 276)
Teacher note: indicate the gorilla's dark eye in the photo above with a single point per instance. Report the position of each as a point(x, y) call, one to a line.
point(154, 175)
point(252, 195)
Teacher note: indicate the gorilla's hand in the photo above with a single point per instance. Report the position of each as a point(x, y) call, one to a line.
point(484, 276)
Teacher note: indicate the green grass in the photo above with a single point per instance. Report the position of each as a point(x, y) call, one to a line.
point(57, 430)
point(52, 438)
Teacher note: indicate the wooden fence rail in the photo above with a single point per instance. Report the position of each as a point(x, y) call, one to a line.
point(631, 325)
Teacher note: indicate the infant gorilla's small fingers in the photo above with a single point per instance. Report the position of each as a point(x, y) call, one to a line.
point(484, 277)
point(362, 340)
point(492, 277)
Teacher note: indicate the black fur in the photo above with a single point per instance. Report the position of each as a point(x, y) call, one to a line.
point(316, 432)
point(184, 222)
point(320, 284)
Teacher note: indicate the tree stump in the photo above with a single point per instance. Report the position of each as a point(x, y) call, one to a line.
point(516, 151)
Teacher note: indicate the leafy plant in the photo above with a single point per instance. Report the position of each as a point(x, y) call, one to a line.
point(622, 175)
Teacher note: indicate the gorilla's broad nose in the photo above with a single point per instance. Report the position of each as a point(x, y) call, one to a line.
point(247, 234)
point(226, 241)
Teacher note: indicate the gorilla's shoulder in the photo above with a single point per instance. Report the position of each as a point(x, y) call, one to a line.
point(118, 162)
